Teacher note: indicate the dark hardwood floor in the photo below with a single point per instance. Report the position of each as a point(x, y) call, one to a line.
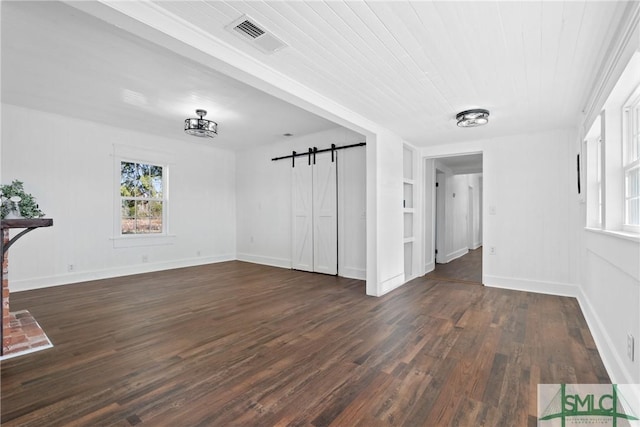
point(237, 344)
point(467, 268)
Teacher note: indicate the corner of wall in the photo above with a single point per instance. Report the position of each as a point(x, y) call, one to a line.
point(606, 347)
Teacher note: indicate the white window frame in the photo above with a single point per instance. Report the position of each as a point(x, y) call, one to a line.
point(163, 199)
point(594, 185)
point(600, 173)
point(144, 156)
point(631, 152)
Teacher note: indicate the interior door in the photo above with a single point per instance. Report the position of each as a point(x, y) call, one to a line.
point(302, 204)
point(315, 215)
point(325, 214)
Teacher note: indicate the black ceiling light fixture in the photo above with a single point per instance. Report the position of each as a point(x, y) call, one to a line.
point(201, 127)
point(472, 118)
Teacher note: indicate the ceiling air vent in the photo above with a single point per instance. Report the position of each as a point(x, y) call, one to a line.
point(249, 30)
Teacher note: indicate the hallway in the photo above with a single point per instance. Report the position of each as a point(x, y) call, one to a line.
point(466, 269)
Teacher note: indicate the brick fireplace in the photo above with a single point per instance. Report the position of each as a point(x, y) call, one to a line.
point(21, 333)
point(5, 292)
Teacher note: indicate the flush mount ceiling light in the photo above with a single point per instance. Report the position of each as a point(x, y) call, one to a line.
point(473, 118)
point(201, 127)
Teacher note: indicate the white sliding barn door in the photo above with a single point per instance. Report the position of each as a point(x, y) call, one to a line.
point(315, 215)
point(302, 235)
point(325, 214)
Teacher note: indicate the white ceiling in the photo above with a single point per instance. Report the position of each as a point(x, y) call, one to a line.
point(58, 59)
point(409, 66)
point(465, 164)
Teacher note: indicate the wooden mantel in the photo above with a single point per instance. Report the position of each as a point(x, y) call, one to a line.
point(29, 224)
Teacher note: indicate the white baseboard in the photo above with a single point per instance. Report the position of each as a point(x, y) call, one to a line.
point(537, 286)
point(353, 273)
point(265, 260)
point(348, 272)
point(391, 284)
point(85, 276)
point(454, 255)
point(612, 359)
point(475, 246)
point(428, 268)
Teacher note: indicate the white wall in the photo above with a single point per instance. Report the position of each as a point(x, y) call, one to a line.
point(610, 298)
point(529, 183)
point(609, 260)
point(529, 212)
point(352, 204)
point(385, 228)
point(264, 200)
point(68, 165)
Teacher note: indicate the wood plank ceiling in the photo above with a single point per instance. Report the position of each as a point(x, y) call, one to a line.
point(58, 59)
point(408, 66)
point(411, 66)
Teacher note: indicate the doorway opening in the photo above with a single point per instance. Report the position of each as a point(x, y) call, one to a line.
point(453, 227)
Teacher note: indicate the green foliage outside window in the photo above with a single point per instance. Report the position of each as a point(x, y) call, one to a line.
point(141, 191)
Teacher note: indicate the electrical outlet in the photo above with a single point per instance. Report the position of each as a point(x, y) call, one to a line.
point(71, 267)
point(492, 250)
point(630, 346)
point(145, 258)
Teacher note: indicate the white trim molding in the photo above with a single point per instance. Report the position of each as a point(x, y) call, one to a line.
point(85, 276)
point(353, 273)
point(265, 260)
point(429, 267)
point(612, 63)
point(390, 284)
point(535, 286)
point(454, 255)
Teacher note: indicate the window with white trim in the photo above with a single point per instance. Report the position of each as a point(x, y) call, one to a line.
point(142, 198)
point(612, 159)
point(599, 177)
point(631, 165)
point(594, 174)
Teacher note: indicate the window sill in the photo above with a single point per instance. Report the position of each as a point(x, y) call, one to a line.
point(626, 235)
point(137, 240)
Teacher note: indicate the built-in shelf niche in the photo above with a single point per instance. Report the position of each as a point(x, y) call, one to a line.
point(409, 205)
point(408, 194)
point(408, 163)
point(408, 260)
point(408, 225)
